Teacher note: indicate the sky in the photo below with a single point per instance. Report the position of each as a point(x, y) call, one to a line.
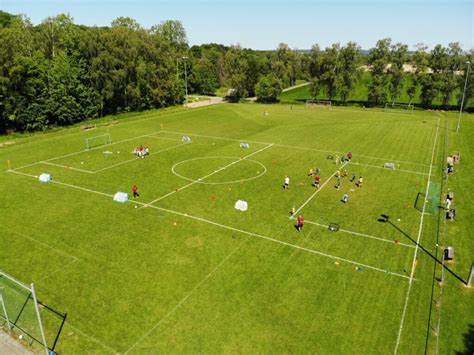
point(263, 24)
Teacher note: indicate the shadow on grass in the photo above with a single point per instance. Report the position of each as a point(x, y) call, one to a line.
point(468, 342)
point(386, 219)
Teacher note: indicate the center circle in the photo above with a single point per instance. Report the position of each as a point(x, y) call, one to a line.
point(232, 162)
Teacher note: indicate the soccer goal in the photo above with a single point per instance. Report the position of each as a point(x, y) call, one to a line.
point(396, 107)
point(26, 318)
point(318, 103)
point(98, 141)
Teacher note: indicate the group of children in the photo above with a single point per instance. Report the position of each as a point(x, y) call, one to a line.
point(141, 151)
point(315, 174)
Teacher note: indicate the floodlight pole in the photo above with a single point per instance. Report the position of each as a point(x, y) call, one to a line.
point(471, 276)
point(463, 95)
point(186, 79)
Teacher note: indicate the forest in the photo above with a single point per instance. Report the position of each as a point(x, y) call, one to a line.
point(58, 73)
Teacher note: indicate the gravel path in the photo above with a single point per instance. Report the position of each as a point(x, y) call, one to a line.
point(9, 346)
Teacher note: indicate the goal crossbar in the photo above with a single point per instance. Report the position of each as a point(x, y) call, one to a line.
point(398, 106)
point(96, 141)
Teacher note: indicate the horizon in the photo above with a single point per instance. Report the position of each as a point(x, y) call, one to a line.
point(260, 23)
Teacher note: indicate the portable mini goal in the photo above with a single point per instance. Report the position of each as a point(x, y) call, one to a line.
point(397, 107)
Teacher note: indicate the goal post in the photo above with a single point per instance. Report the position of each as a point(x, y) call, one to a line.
point(397, 107)
point(18, 312)
point(318, 103)
point(97, 141)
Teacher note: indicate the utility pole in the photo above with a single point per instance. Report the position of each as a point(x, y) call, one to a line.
point(186, 79)
point(463, 95)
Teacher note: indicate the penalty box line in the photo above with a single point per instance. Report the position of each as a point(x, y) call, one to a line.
point(294, 147)
point(317, 191)
point(361, 234)
point(294, 246)
point(391, 170)
point(83, 151)
point(205, 177)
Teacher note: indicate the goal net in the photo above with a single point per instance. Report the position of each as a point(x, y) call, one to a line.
point(98, 141)
point(26, 318)
point(318, 103)
point(396, 107)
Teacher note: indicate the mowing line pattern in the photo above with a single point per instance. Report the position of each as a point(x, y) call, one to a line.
point(420, 230)
point(334, 257)
point(185, 298)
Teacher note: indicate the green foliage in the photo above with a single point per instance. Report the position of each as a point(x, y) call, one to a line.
point(268, 88)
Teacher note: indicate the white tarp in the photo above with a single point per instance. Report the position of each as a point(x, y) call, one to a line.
point(244, 145)
point(121, 197)
point(45, 177)
point(185, 139)
point(241, 205)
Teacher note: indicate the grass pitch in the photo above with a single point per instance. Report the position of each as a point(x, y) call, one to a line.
point(181, 270)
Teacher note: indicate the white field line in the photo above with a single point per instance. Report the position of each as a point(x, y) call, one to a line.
point(84, 151)
point(420, 230)
point(317, 191)
point(37, 241)
point(230, 228)
point(295, 147)
point(62, 268)
point(185, 298)
point(67, 167)
point(165, 138)
point(361, 234)
point(381, 167)
point(136, 158)
point(207, 176)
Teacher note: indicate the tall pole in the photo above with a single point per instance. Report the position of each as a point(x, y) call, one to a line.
point(463, 95)
point(186, 80)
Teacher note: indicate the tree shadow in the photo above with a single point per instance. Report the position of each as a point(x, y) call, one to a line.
point(468, 341)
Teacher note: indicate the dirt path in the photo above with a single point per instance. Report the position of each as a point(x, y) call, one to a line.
point(9, 346)
point(211, 101)
point(294, 87)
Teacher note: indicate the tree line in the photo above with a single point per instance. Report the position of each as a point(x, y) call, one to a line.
point(59, 73)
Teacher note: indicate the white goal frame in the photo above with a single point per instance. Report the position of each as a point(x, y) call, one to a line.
point(107, 139)
point(318, 103)
point(398, 107)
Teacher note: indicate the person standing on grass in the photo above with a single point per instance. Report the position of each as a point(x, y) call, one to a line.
point(300, 223)
point(286, 184)
point(448, 203)
point(338, 185)
point(317, 180)
point(359, 183)
point(135, 191)
point(349, 156)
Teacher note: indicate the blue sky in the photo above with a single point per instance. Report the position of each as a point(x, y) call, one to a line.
point(262, 24)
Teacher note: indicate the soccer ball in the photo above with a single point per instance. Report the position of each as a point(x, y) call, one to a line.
point(136, 206)
point(20, 336)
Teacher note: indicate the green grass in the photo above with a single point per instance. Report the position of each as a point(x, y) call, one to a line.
point(189, 273)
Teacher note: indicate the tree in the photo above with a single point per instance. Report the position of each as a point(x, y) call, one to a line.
point(268, 88)
point(349, 58)
point(398, 56)
point(204, 78)
point(236, 68)
point(378, 61)
point(330, 71)
point(314, 87)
